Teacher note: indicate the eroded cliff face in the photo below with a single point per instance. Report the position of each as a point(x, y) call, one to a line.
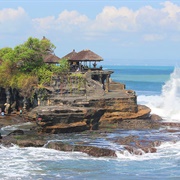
point(66, 119)
point(75, 115)
point(90, 110)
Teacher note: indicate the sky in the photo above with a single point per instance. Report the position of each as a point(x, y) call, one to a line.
point(122, 32)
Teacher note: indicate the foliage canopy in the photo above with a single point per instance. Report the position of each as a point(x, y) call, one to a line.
point(23, 67)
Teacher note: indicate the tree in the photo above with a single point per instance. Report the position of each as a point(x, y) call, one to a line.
point(30, 54)
point(23, 66)
point(62, 68)
point(4, 52)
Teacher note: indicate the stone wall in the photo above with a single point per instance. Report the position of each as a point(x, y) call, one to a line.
point(116, 86)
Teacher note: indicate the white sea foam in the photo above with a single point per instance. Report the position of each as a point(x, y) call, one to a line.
point(166, 150)
point(24, 162)
point(15, 126)
point(7, 129)
point(167, 105)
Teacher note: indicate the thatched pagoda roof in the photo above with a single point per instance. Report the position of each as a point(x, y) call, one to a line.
point(86, 55)
point(51, 58)
point(70, 55)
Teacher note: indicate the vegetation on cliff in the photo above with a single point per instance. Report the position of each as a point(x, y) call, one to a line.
point(23, 68)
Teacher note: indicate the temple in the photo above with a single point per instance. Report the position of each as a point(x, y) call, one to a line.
point(87, 60)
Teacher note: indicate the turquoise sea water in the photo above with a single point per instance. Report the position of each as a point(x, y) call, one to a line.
point(152, 85)
point(143, 79)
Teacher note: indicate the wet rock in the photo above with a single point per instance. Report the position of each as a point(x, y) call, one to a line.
point(133, 150)
point(90, 150)
point(31, 143)
point(140, 151)
point(156, 143)
point(155, 117)
point(96, 151)
point(149, 149)
point(127, 140)
point(172, 130)
point(132, 124)
point(170, 124)
point(8, 141)
point(138, 146)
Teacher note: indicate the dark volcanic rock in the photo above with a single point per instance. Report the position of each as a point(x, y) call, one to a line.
point(95, 151)
point(90, 150)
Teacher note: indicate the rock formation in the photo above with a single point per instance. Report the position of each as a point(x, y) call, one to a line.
point(88, 113)
point(81, 103)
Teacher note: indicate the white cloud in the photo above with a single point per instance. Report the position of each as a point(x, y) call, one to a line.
point(145, 19)
point(171, 9)
point(171, 20)
point(149, 19)
point(13, 20)
point(11, 14)
point(67, 21)
point(72, 18)
point(112, 18)
point(111, 21)
point(44, 24)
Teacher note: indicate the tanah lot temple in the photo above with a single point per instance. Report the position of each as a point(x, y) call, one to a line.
point(82, 98)
point(88, 101)
point(82, 62)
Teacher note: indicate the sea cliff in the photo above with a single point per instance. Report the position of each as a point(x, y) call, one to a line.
point(72, 114)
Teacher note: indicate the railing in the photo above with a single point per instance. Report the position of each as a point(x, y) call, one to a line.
point(85, 69)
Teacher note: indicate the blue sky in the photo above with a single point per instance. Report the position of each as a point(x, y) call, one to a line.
point(123, 32)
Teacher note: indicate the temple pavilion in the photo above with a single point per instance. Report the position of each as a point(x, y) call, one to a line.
point(86, 60)
point(83, 60)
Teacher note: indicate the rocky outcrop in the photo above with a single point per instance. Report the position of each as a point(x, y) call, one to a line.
point(61, 119)
point(135, 145)
point(78, 102)
point(76, 115)
point(90, 150)
point(30, 143)
point(122, 114)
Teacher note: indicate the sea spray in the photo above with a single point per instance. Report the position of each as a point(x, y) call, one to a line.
point(171, 96)
point(168, 103)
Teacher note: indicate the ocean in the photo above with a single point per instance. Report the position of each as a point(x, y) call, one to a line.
point(155, 86)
